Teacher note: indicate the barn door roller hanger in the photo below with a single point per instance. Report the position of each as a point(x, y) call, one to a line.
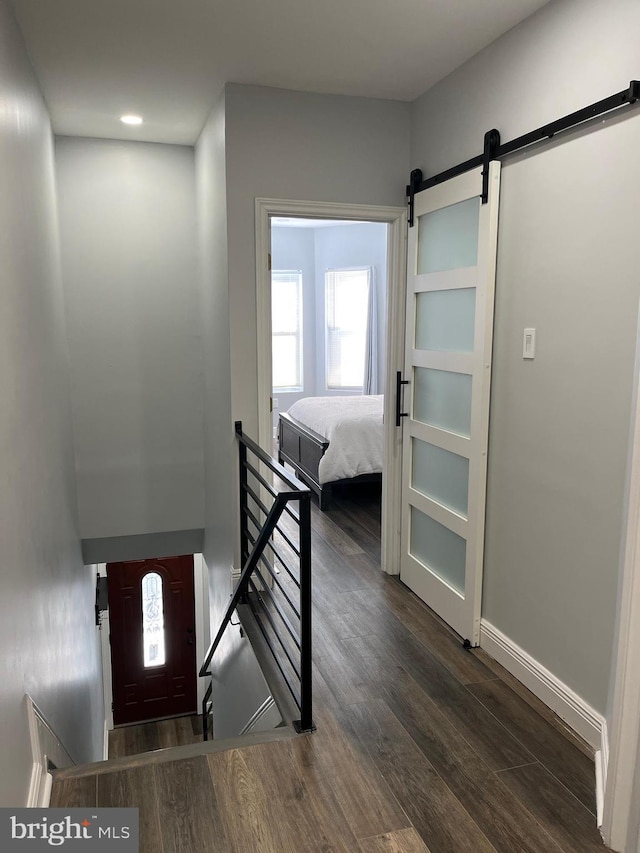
point(494, 150)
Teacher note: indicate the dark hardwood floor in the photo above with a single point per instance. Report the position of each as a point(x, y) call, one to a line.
point(421, 745)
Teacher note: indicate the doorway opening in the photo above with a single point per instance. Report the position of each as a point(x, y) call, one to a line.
point(153, 651)
point(328, 313)
point(330, 294)
point(154, 633)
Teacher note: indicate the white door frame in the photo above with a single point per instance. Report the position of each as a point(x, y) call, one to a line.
point(621, 813)
point(396, 218)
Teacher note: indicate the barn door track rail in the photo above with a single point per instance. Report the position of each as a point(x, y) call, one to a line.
point(494, 150)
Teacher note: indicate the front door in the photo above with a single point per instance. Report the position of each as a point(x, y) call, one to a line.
point(153, 650)
point(450, 294)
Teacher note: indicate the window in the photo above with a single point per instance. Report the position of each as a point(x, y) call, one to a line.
point(286, 330)
point(153, 620)
point(346, 300)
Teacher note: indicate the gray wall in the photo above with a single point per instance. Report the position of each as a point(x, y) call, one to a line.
point(214, 303)
point(238, 682)
point(566, 266)
point(48, 640)
point(261, 142)
point(297, 145)
point(129, 255)
point(363, 245)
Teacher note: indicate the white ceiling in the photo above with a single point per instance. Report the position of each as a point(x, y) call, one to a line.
point(168, 59)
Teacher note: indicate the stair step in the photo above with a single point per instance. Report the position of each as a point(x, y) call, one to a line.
point(174, 753)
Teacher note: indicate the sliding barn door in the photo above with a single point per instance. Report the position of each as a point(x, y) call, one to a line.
point(450, 296)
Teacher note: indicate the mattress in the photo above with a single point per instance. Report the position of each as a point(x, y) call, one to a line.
point(353, 426)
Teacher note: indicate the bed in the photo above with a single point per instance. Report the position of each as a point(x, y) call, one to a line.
point(332, 440)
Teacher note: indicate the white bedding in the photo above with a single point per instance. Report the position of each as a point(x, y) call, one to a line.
point(353, 426)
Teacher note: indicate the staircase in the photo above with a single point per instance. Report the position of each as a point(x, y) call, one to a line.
point(191, 795)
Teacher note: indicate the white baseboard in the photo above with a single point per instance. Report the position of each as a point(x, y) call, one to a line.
point(583, 719)
point(44, 746)
point(578, 714)
point(602, 763)
point(33, 797)
point(599, 786)
point(39, 788)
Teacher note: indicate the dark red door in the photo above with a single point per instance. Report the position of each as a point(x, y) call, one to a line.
point(153, 640)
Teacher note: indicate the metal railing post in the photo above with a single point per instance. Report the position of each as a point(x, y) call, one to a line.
point(205, 722)
point(244, 496)
point(306, 692)
point(205, 711)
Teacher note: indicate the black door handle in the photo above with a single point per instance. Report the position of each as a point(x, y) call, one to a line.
point(399, 383)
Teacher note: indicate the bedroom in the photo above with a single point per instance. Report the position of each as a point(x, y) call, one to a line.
point(329, 289)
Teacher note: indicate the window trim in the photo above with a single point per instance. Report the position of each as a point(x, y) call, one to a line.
point(299, 336)
point(369, 271)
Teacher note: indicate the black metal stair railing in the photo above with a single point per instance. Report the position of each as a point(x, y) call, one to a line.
point(275, 582)
point(207, 708)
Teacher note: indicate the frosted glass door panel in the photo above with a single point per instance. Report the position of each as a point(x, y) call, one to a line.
point(440, 475)
point(448, 238)
point(438, 548)
point(442, 399)
point(445, 320)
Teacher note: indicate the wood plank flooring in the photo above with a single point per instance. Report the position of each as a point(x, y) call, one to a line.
point(146, 737)
point(421, 747)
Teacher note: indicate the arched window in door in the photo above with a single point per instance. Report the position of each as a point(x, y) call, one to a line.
point(153, 620)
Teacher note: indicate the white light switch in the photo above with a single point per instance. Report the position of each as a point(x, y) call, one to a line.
point(529, 343)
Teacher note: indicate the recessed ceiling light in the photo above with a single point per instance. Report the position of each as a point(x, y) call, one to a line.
point(130, 119)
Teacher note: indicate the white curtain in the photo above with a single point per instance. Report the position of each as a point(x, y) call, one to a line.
point(370, 382)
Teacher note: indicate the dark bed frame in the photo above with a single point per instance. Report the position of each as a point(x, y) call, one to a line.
point(302, 448)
